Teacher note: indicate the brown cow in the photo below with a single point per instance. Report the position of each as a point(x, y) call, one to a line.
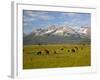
point(46, 51)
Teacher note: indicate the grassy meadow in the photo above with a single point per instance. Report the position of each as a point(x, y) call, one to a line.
point(60, 55)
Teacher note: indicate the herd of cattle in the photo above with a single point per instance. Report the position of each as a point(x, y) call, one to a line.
point(71, 50)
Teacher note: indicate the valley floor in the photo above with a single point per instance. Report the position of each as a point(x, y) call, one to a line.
point(56, 56)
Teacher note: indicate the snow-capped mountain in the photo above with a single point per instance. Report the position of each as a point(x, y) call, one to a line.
point(86, 31)
point(62, 30)
point(56, 30)
point(58, 34)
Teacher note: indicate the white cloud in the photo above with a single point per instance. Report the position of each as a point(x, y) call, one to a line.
point(74, 18)
point(71, 14)
point(27, 19)
point(25, 24)
point(38, 15)
point(76, 22)
point(46, 17)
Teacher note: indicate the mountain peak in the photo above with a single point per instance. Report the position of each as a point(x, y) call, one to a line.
point(61, 30)
point(58, 34)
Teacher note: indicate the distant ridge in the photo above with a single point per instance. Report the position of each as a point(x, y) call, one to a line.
point(58, 34)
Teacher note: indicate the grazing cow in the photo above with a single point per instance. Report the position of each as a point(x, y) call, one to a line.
point(46, 51)
point(81, 48)
point(38, 53)
point(68, 50)
point(55, 52)
point(83, 44)
point(62, 49)
point(39, 44)
point(73, 50)
point(76, 48)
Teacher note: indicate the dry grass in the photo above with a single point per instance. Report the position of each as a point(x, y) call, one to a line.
point(62, 58)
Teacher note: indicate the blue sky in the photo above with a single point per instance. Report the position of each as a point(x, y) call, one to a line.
point(41, 19)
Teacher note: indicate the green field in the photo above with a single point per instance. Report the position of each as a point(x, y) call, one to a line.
point(62, 58)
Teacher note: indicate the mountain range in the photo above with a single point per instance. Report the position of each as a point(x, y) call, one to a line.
point(58, 34)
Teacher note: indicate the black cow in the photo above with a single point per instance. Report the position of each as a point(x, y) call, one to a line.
point(55, 52)
point(38, 53)
point(68, 50)
point(62, 49)
point(73, 50)
point(81, 48)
